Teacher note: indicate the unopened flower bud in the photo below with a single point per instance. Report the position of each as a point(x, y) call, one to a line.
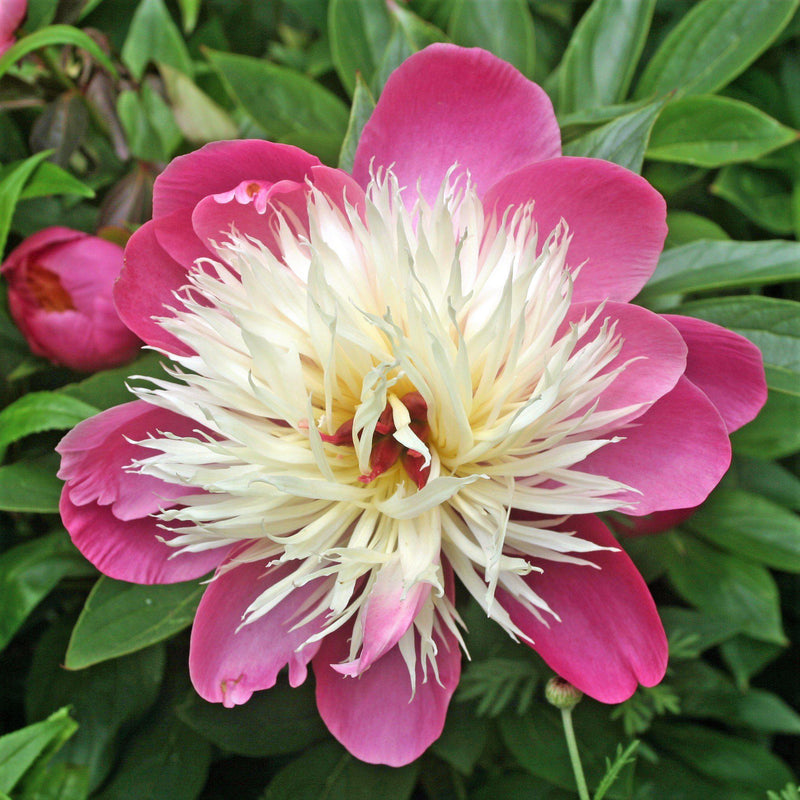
point(59, 294)
point(562, 694)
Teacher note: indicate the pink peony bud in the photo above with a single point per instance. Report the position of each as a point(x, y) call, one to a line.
point(59, 293)
point(12, 13)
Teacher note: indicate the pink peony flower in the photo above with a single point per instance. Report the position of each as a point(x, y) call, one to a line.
point(382, 383)
point(60, 285)
point(12, 13)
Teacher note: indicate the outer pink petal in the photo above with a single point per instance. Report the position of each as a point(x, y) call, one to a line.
point(448, 105)
point(130, 550)
point(146, 286)
point(95, 452)
point(653, 350)
point(220, 166)
point(227, 665)
point(674, 454)
point(374, 715)
point(617, 220)
point(390, 611)
point(726, 366)
point(610, 638)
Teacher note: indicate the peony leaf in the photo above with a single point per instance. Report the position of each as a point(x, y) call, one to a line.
point(602, 54)
point(709, 131)
point(712, 44)
point(505, 27)
point(120, 618)
point(703, 265)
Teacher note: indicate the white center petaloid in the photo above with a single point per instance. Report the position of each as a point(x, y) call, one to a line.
point(326, 331)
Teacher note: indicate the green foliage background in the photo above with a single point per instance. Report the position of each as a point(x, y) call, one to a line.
point(704, 99)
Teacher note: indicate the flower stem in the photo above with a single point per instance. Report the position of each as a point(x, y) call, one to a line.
point(574, 755)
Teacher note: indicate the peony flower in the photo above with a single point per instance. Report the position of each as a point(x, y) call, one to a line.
point(382, 384)
point(60, 285)
point(12, 14)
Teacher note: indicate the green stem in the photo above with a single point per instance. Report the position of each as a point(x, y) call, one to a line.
point(574, 755)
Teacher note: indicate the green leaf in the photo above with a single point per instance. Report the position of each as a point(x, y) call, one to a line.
point(190, 9)
point(328, 772)
point(463, 739)
point(409, 35)
point(666, 778)
point(685, 227)
point(31, 485)
point(359, 32)
point(56, 35)
point(57, 781)
point(284, 102)
point(537, 742)
point(520, 786)
point(166, 760)
point(768, 478)
point(141, 136)
point(750, 526)
point(153, 36)
point(709, 131)
point(14, 180)
point(108, 388)
point(725, 586)
point(707, 693)
point(196, 115)
point(602, 54)
point(28, 573)
point(774, 433)
point(504, 27)
point(106, 699)
point(363, 106)
point(120, 618)
point(700, 266)
point(49, 179)
point(274, 722)
point(746, 656)
point(720, 756)
point(763, 197)
point(623, 141)
point(772, 325)
point(20, 750)
point(40, 411)
point(692, 632)
point(712, 44)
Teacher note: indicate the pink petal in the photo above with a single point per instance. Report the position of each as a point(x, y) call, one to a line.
point(220, 166)
point(40, 241)
point(726, 366)
point(674, 454)
point(130, 550)
point(253, 216)
point(655, 350)
point(95, 452)
point(617, 220)
point(374, 715)
point(85, 342)
point(227, 665)
point(448, 105)
point(390, 611)
point(610, 638)
point(146, 286)
point(12, 13)
point(175, 235)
